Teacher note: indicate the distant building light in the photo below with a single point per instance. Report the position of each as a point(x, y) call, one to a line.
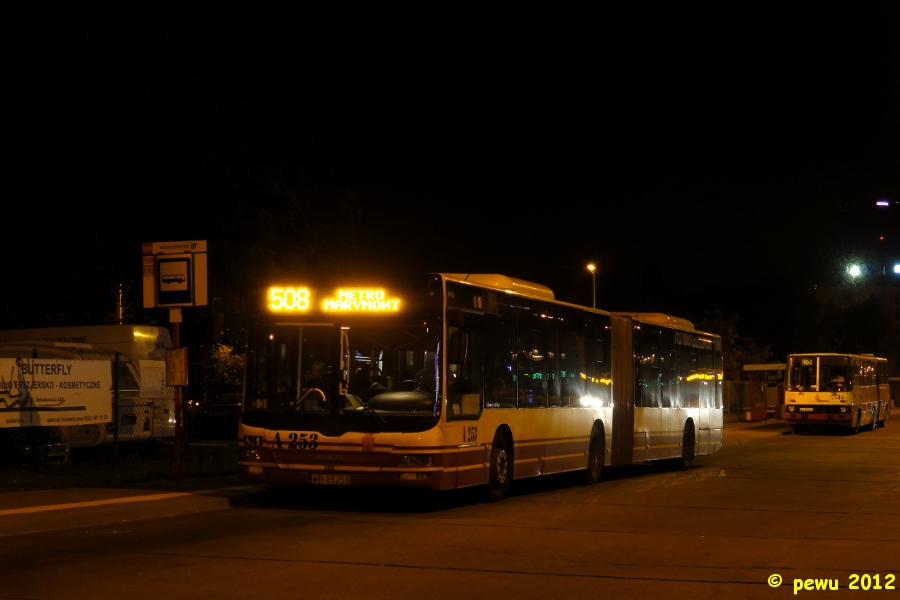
point(854, 271)
point(882, 203)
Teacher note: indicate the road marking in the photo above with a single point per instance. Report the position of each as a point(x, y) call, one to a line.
point(36, 509)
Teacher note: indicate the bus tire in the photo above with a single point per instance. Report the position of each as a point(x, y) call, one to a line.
point(500, 469)
point(687, 448)
point(594, 471)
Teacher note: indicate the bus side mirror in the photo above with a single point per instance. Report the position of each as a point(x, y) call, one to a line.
point(457, 348)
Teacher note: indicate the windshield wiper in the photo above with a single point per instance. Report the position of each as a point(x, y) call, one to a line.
point(368, 409)
point(356, 403)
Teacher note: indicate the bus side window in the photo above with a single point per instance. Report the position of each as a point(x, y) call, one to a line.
point(668, 375)
point(707, 364)
point(597, 366)
point(531, 356)
point(689, 388)
point(571, 351)
point(499, 351)
point(646, 344)
point(552, 369)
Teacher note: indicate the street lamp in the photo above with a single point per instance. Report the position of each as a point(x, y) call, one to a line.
point(593, 269)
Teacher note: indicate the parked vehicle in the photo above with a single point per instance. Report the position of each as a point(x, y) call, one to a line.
point(75, 387)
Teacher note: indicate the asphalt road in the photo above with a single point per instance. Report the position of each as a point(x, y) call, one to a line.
point(810, 507)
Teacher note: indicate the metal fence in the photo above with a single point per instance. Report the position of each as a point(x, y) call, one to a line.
point(734, 395)
point(131, 418)
point(739, 397)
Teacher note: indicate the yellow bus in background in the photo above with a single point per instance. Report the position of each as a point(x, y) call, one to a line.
point(828, 389)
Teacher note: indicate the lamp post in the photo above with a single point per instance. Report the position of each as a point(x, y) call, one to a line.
point(593, 269)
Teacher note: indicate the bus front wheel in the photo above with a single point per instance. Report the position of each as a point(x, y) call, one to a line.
point(498, 477)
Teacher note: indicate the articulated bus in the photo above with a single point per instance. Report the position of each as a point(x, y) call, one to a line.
point(458, 380)
point(847, 390)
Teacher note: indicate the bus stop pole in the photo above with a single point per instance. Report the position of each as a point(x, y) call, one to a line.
point(175, 318)
point(116, 407)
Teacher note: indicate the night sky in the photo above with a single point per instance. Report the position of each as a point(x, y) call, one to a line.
point(703, 159)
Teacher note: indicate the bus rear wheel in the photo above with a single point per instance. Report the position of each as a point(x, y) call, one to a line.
point(687, 448)
point(499, 474)
point(594, 471)
point(874, 422)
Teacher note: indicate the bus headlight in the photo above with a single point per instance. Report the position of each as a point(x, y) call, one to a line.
point(417, 460)
point(792, 408)
point(843, 409)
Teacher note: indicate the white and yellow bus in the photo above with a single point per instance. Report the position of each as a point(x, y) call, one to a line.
point(457, 380)
point(846, 390)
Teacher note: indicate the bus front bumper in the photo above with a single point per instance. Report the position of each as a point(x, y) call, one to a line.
point(435, 478)
point(793, 418)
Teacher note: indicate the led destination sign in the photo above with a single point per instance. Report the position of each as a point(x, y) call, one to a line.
point(288, 299)
point(344, 300)
point(361, 300)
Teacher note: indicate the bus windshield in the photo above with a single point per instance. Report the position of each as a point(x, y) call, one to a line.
point(329, 377)
point(820, 373)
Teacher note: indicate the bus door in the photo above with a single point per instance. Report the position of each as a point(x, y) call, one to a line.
point(715, 412)
point(706, 386)
point(465, 360)
point(706, 383)
point(705, 398)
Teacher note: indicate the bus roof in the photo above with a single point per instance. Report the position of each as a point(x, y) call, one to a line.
point(506, 283)
point(658, 319)
point(853, 354)
point(536, 290)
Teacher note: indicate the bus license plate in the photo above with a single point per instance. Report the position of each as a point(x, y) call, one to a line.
point(805, 409)
point(330, 479)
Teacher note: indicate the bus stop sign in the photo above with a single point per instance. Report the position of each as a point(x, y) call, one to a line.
point(174, 274)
